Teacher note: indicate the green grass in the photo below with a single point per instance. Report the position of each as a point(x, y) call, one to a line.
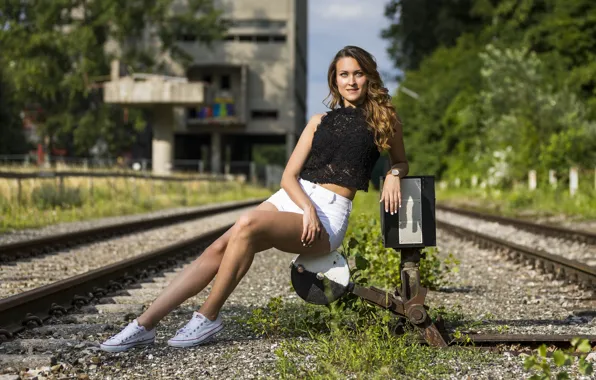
point(43, 202)
point(524, 203)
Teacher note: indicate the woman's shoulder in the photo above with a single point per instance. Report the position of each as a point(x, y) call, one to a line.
point(316, 118)
point(332, 114)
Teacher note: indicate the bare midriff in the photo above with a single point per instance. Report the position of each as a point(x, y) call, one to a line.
point(346, 192)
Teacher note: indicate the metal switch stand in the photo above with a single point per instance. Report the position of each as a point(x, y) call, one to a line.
point(408, 301)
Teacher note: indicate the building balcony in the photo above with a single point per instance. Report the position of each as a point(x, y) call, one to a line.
point(227, 92)
point(151, 90)
point(222, 110)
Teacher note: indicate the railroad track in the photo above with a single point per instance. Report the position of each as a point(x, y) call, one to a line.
point(36, 307)
point(538, 228)
point(33, 308)
point(560, 267)
point(45, 245)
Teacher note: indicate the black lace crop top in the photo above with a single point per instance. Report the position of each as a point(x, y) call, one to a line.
point(343, 150)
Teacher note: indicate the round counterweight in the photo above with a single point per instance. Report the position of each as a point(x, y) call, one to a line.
point(320, 279)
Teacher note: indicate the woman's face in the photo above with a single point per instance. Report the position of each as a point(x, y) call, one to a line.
point(351, 81)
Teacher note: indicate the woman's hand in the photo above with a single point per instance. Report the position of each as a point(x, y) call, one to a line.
point(391, 194)
point(311, 227)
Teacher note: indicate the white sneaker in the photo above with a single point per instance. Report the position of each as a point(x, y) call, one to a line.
point(198, 330)
point(132, 335)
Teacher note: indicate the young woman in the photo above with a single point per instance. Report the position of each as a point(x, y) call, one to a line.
point(332, 160)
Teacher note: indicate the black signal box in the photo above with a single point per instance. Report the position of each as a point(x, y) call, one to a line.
point(414, 225)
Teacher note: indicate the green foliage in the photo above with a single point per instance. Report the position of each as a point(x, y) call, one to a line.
point(445, 81)
point(339, 342)
point(561, 31)
point(55, 53)
point(269, 155)
point(48, 203)
point(513, 91)
point(420, 26)
point(380, 266)
point(561, 358)
point(366, 352)
point(525, 117)
point(48, 196)
point(12, 138)
point(281, 318)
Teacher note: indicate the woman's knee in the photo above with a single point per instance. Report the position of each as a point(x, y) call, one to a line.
point(246, 225)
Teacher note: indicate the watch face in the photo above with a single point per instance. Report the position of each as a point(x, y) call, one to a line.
point(395, 171)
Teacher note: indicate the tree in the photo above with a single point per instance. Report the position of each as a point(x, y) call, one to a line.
point(12, 139)
point(441, 81)
point(516, 94)
point(419, 27)
point(561, 32)
point(542, 127)
point(56, 51)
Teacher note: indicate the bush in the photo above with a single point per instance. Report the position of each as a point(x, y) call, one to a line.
point(49, 196)
point(380, 266)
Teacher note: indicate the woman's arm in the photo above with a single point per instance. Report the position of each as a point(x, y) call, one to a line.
point(397, 152)
point(391, 193)
point(311, 225)
point(289, 179)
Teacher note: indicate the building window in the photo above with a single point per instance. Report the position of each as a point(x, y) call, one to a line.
point(187, 37)
point(264, 114)
point(225, 82)
point(257, 23)
point(258, 38)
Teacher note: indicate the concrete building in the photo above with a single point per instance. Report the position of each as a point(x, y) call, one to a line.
point(253, 88)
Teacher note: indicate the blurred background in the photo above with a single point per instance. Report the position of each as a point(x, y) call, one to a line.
point(491, 92)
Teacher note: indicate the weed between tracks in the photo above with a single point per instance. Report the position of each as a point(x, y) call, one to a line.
point(39, 202)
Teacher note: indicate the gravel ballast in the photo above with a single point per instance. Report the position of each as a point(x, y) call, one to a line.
point(60, 228)
point(234, 353)
point(582, 252)
point(26, 275)
point(493, 295)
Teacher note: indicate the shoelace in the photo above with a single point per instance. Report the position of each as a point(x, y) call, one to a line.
point(125, 332)
point(132, 336)
point(185, 331)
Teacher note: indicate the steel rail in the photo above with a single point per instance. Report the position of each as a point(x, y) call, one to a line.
point(35, 247)
point(37, 305)
point(523, 339)
point(561, 267)
point(543, 229)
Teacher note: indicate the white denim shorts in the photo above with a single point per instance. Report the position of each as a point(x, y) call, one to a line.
point(332, 209)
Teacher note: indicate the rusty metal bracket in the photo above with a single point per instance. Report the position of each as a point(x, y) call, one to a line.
point(407, 302)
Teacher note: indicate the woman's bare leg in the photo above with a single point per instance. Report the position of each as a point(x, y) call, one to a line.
point(257, 231)
point(194, 278)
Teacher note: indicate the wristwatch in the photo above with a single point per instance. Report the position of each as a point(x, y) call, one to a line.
point(395, 172)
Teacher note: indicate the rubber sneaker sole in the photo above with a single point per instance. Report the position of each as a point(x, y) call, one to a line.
point(124, 347)
point(184, 343)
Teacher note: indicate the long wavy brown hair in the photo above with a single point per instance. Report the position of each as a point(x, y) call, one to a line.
point(380, 113)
